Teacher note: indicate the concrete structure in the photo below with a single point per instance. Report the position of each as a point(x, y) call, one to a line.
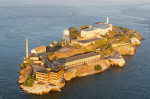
point(51, 76)
point(27, 51)
point(79, 59)
point(34, 58)
point(96, 29)
point(41, 49)
point(87, 41)
point(52, 44)
point(66, 38)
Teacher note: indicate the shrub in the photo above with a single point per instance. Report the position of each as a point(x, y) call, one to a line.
point(74, 33)
point(54, 58)
point(29, 62)
point(101, 43)
point(84, 27)
point(23, 65)
point(63, 81)
point(58, 46)
point(113, 33)
point(48, 48)
point(50, 54)
point(28, 82)
point(123, 39)
point(98, 67)
point(77, 45)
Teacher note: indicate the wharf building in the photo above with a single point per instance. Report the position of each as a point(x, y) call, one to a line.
point(50, 76)
point(41, 49)
point(79, 59)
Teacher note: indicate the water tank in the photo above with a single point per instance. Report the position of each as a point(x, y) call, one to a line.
point(66, 32)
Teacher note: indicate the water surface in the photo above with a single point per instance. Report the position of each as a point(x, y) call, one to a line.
point(44, 23)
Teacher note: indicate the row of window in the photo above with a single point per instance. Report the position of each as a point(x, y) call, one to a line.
point(84, 62)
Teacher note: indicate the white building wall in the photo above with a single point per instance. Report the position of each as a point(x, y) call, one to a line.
point(95, 32)
point(33, 51)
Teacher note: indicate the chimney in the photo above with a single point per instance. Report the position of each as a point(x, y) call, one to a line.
point(27, 52)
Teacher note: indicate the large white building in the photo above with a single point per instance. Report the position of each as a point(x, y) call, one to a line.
point(96, 29)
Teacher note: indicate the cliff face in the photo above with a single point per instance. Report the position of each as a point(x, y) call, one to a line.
point(124, 48)
point(24, 73)
point(117, 62)
point(116, 59)
point(113, 60)
point(39, 88)
point(135, 41)
point(85, 70)
point(70, 52)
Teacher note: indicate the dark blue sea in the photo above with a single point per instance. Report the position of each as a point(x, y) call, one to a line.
point(43, 21)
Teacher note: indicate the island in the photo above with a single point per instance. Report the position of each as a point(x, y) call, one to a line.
point(90, 50)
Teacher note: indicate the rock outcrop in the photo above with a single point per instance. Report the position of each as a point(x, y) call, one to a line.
point(39, 88)
point(85, 70)
point(124, 48)
point(24, 73)
point(116, 59)
point(135, 41)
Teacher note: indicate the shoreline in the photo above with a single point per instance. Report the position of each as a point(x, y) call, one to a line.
point(107, 55)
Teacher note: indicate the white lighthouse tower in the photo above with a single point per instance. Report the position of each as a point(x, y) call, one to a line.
point(107, 20)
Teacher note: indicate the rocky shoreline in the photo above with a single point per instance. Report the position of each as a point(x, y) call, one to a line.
point(75, 72)
point(115, 59)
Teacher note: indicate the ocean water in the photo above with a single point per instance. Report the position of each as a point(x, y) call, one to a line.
point(44, 23)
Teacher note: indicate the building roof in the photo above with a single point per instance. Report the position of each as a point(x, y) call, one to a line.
point(56, 69)
point(44, 70)
point(40, 48)
point(88, 40)
point(98, 26)
point(77, 57)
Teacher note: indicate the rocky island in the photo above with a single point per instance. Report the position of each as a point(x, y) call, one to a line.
point(90, 50)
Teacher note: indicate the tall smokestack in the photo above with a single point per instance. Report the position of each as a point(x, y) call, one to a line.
point(27, 52)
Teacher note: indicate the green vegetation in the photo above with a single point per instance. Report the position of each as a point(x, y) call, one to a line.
point(97, 67)
point(24, 65)
point(123, 39)
point(54, 58)
point(50, 54)
point(48, 48)
point(58, 45)
point(113, 33)
point(29, 62)
point(87, 51)
point(28, 82)
point(84, 27)
point(74, 33)
point(63, 81)
point(101, 43)
point(76, 45)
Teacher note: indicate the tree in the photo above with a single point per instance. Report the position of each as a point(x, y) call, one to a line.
point(84, 27)
point(74, 33)
point(28, 82)
point(97, 67)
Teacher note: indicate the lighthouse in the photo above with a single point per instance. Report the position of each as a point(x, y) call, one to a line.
point(27, 52)
point(107, 20)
